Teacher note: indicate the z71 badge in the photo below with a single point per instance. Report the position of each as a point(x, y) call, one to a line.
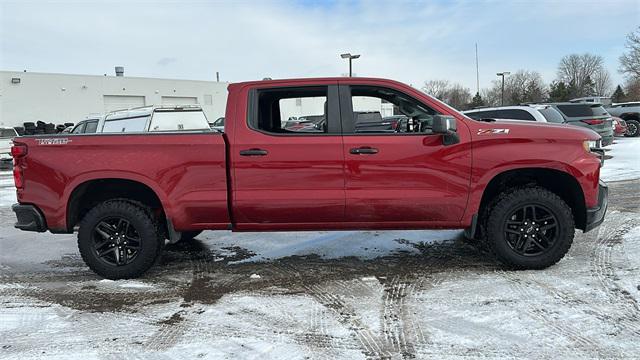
point(492, 131)
point(53, 141)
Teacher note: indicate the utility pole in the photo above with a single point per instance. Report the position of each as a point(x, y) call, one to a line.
point(217, 76)
point(477, 72)
point(350, 57)
point(502, 74)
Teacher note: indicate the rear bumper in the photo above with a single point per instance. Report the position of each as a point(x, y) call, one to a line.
point(29, 218)
point(595, 215)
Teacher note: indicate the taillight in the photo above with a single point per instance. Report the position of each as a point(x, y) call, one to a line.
point(18, 151)
point(593, 121)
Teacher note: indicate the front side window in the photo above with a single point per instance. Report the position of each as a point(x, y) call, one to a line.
point(91, 126)
point(292, 111)
point(79, 129)
point(369, 105)
point(479, 115)
point(137, 124)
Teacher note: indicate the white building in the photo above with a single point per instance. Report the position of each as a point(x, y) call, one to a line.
point(60, 98)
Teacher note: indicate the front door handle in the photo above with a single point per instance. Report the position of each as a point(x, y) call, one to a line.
point(364, 150)
point(253, 152)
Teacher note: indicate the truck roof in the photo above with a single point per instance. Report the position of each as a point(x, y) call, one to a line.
point(315, 80)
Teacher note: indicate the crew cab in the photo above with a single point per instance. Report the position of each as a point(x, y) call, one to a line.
point(521, 187)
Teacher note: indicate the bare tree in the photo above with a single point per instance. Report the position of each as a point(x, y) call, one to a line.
point(458, 97)
point(579, 70)
point(630, 61)
point(521, 87)
point(602, 82)
point(436, 88)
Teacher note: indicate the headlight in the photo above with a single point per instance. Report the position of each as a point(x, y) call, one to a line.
point(591, 144)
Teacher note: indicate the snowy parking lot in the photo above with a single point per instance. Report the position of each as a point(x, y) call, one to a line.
point(328, 295)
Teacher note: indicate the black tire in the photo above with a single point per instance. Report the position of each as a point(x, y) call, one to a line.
point(189, 235)
point(140, 242)
point(543, 241)
point(633, 128)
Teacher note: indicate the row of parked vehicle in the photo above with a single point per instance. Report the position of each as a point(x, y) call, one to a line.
point(607, 120)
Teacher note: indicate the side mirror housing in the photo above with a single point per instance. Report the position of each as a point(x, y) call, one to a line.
point(444, 124)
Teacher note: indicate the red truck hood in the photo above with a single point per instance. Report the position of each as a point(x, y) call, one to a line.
point(530, 130)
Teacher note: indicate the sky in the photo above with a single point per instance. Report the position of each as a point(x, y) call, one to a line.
point(246, 40)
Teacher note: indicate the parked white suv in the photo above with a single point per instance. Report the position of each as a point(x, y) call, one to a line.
point(540, 113)
point(6, 135)
point(154, 119)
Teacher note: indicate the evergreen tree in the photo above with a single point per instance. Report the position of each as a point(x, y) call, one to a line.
point(477, 101)
point(559, 91)
point(618, 95)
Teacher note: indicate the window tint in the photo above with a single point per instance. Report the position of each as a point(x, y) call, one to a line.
point(576, 110)
point(514, 114)
point(552, 115)
point(137, 124)
point(178, 121)
point(91, 126)
point(370, 103)
point(292, 110)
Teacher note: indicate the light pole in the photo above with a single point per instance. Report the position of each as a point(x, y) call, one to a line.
point(502, 94)
point(350, 57)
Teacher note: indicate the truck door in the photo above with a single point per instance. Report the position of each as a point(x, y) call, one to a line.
point(399, 171)
point(287, 160)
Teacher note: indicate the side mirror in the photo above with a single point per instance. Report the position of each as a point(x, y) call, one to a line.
point(444, 124)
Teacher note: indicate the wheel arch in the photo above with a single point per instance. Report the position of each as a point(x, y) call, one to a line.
point(88, 193)
point(561, 183)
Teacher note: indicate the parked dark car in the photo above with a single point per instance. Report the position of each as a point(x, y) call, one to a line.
point(591, 116)
point(307, 123)
point(87, 126)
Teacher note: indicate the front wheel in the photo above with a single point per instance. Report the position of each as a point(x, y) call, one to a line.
point(119, 240)
point(530, 228)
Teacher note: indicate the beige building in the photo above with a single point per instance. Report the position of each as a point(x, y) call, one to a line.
point(60, 98)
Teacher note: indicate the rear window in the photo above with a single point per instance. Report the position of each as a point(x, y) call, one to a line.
point(91, 127)
point(6, 133)
point(552, 115)
point(178, 121)
point(582, 110)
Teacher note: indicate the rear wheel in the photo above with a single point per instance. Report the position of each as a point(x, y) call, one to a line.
point(633, 128)
point(530, 228)
point(119, 240)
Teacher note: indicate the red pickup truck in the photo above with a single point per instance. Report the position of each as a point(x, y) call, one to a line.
point(521, 187)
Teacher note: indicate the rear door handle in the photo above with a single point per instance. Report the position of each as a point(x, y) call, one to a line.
point(253, 152)
point(364, 150)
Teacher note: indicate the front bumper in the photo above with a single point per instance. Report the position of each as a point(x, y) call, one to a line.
point(29, 218)
point(595, 215)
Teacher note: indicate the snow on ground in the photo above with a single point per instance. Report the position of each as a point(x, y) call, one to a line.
point(625, 161)
point(7, 189)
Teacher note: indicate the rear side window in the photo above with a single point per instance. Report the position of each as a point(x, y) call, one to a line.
point(293, 111)
point(599, 111)
point(577, 110)
point(178, 121)
point(514, 114)
point(137, 124)
point(482, 115)
point(552, 115)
